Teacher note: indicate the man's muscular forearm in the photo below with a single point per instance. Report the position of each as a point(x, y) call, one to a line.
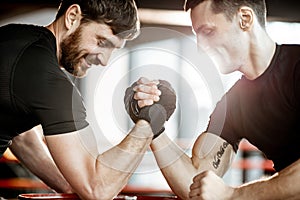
point(209, 153)
point(175, 165)
point(283, 185)
point(33, 153)
point(94, 175)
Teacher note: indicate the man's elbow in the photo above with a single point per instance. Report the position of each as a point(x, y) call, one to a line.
point(99, 192)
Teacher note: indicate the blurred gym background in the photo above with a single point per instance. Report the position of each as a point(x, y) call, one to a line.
point(166, 42)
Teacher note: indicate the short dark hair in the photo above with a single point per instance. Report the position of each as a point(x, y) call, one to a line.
point(120, 15)
point(230, 7)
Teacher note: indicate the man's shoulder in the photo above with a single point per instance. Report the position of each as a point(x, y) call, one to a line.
point(31, 41)
point(22, 35)
point(290, 50)
point(290, 46)
point(20, 30)
point(289, 58)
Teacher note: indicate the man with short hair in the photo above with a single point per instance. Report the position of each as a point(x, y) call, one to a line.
point(35, 91)
point(263, 107)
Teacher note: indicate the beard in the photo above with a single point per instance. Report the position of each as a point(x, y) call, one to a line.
point(71, 54)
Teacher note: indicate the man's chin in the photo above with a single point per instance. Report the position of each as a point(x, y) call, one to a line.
point(77, 74)
point(80, 74)
point(222, 68)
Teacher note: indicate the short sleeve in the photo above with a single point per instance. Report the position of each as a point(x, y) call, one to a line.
point(220, 122)
point(45, 93)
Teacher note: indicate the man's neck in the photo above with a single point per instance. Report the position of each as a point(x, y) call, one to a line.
point(261, 53)
point(58, 32)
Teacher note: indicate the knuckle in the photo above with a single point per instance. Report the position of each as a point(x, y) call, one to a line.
point(143, 88)
point(153, 88)
point(135, 88)
point(139, 88)
point(137, 96)
point(142, 80)
point(149, 102)
point(141, 104)
point(156, 98)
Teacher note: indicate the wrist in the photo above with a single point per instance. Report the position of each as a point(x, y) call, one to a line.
point(160, 142)
point(156, 135)
point(142, 130)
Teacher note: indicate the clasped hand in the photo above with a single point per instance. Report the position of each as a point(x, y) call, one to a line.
point(153, 101)
point(146, 92)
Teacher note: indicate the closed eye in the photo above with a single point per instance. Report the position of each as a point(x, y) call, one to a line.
point(104, 43)
point(207, 32)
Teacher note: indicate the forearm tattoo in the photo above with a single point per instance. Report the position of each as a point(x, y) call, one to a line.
point(219, 154)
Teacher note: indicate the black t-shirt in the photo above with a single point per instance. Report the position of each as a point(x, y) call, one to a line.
point(265, 110)
point(33, 89)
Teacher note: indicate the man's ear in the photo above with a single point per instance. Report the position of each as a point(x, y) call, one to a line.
point(246, 15)
point(72, 15)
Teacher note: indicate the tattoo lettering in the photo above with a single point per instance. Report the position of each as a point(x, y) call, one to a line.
point(218, 156)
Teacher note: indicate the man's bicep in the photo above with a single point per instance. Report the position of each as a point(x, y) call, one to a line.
point(211, 152)
point(73, 154)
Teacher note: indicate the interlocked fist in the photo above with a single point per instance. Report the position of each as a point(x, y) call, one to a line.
point(157, 113)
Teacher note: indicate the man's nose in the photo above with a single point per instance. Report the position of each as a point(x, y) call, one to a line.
point(202, 44)
point(105, 56)
point(93, 59)
point(100, 58)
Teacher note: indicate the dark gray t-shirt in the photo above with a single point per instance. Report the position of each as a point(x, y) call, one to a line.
point(266, 111)
point(33, 89)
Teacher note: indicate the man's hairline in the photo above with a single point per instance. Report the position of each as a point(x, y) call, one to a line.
point(90, 20)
